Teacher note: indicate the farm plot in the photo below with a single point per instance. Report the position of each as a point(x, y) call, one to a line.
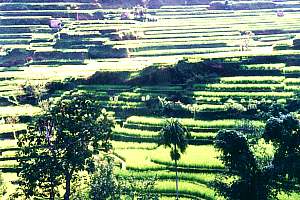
point(180, 32)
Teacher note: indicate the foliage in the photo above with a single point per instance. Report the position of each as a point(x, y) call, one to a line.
point(104, 184)
point(265, 110)
point(261, 168)
point(163, 106)
point(234, 108)
point(140, 188)
point(80, 186)
point(2, 186)
point(284, 132)
point(62, 142)
point(174, 135)
point(244, 180)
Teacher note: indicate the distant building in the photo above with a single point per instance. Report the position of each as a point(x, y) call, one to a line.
point(55, 23)
point(280, 13)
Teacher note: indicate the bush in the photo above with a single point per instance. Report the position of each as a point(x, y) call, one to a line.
point(104, 184)
point(107, 78)
point(107, 52)
point(60, 85)
point(2, 186)
point(242, 5)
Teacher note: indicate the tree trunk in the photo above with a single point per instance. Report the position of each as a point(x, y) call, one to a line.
point(177, 193)
point(52, 193)
point(68, 186)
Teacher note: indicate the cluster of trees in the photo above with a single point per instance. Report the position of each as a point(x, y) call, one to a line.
point(260, 165)
point(65, 141)
point(61, 150)
point(60, 143)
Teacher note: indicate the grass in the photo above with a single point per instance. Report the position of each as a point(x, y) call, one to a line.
point(292, 69)
point(139, 160)
point(133, 145)
point(8, 143)
point(244, 94)
point(123, 104)
point(239, 87)
point(6, 128)
point(24, 110)
point(135, 132)
point(252, 80)
point(292, 81)
point(175, 35)
point(202, 178)
point(145, 133)
point(158, 159)
point(184, 51)
point(188, 122)
point(188, 188)
point(203, 156)
point(208, 108)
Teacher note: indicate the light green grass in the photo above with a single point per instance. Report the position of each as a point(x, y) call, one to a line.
point(188, 122)
point(24, 110)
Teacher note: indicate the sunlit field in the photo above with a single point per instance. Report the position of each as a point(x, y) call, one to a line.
point(110, 58)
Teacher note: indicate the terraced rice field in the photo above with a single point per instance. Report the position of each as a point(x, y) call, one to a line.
point(194, 33)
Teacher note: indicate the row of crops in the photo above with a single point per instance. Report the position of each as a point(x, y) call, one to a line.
point(137, 134)
point(179, 31)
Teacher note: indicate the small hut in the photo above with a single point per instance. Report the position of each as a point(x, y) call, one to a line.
point(55, 24)
point(280, 13)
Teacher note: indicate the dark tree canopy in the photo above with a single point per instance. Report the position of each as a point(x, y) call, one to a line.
point(284, 132)
point(260, 170)
point(62, 142)
point(174, 135)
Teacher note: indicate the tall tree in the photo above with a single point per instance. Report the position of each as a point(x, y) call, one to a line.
point(284, 132)
point(243, 180)
point(174, 135)
point(62, 142)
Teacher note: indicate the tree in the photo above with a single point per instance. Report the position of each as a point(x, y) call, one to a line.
point(174, 135)
point(244, 179)
point(61, 143)
point(39, 172)
point(104, 184)
point(259, 168)
point(284, 132)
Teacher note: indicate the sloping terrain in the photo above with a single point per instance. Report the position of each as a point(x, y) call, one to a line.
point(236, 86)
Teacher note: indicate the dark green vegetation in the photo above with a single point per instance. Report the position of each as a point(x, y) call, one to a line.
point(60, 143)
point(262, 166)
point(216, 87)
point(174, 136)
